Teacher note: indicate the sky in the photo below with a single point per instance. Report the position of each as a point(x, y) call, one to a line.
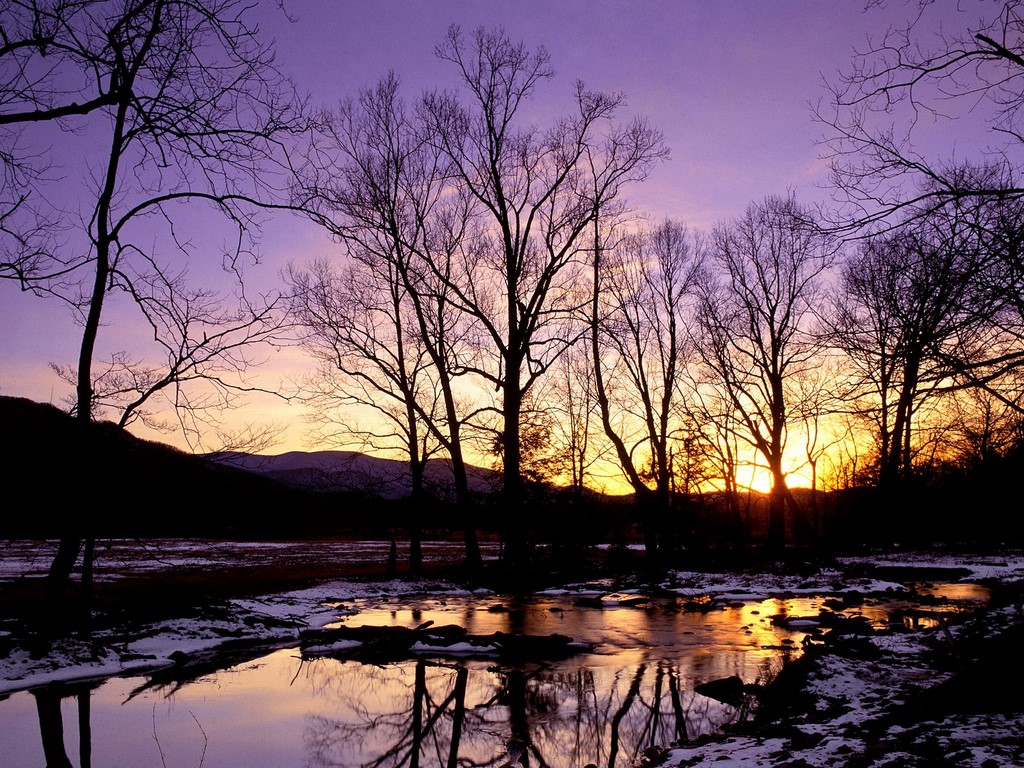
point(729, 84)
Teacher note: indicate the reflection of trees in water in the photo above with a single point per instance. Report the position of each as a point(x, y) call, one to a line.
point(388, 721)
point(51, 723)
point(611, 718)
point(425, 713)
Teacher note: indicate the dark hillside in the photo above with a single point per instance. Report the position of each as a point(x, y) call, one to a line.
point(54, 467)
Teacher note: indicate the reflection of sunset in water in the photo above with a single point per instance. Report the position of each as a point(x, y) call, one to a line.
point(732, 640)
point(636, 686)
point(955, 592)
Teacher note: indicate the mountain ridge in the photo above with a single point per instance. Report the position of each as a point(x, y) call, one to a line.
point(341, 470)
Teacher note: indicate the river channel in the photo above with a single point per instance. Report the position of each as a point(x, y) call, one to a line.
point(626, 683)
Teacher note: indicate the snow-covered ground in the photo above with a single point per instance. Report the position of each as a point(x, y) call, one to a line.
point(855, 718)
point(855, 687)
point(852, 722)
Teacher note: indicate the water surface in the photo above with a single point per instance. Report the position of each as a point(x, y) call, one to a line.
point(632, 687)
point(630, 684)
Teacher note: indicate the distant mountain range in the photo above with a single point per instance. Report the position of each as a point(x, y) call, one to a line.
point(354, 472)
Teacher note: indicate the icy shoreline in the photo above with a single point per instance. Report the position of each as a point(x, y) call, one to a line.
point(861, 693)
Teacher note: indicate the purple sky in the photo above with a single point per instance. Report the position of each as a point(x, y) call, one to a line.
point(728, 83)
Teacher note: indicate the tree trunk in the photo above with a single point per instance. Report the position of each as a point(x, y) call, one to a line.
point(458, 715)
point(651, 510)
point(463, 504)
point(516, 545)
point(51, 728)
point(63, 563)
point(415, 521)
point(515, 696)
point(777, 508)
point(627, 703)
point(85, 728)
point(61, 568)
point(418, 697)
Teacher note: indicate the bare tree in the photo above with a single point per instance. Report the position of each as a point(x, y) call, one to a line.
point(985, 428)
point(755, 327)
point(818, 403)
point(572, 397)
point(720, 446)
point(536, 193)
point(988, 235)
point(642, 306)
point(912, 313)
point(35, 33)
point(192, 111)
point(381, 188)
point(942, 69)
point(358, 325)
point(966, 66)
point(200, 338)
point(192, 114)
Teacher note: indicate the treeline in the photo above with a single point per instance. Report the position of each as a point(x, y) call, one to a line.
point(163, 492)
